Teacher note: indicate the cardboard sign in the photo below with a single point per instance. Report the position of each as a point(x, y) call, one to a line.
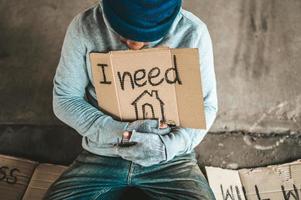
point(15, 174)
point(159, 83)
point(276, 182)
point(44, 175)
point(225, 183)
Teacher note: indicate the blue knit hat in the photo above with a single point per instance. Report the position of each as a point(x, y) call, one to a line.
point(141, 20)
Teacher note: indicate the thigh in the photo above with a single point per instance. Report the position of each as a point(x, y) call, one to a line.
point(180, 178)
point(90, 177)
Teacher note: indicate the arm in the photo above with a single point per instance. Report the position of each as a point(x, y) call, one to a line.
point(69, 104)
point(184, 140)
point(69, 83)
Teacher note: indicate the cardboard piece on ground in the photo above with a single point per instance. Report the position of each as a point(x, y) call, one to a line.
point(225, 183)
point(275, 182)
point(150, 83)
point(15, 174)
point(43, 177)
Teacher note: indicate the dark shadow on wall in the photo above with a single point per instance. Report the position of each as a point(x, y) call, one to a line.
point(45, 144)
point(31, 37)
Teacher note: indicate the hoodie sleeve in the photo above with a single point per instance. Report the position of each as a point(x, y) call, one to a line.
point(184, 140)
point(69, 83)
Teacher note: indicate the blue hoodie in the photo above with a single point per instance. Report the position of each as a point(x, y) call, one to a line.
point(89, 32)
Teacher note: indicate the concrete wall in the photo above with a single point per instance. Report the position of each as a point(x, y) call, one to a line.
point(257, 59)
point(257, 55)
point(31, 36)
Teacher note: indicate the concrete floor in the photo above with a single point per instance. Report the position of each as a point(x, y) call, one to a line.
point(236, 150)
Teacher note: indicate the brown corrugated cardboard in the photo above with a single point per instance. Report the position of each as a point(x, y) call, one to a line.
point(44, 175)
point(275, 182)
point(15, 174)
point(151, 83)
point(225, 183)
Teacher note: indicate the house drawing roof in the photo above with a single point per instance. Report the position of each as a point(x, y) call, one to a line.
point(153, 93)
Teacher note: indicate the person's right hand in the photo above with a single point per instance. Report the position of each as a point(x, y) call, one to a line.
point(148, 126)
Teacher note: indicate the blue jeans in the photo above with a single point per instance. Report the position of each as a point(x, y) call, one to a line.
point(95, 177)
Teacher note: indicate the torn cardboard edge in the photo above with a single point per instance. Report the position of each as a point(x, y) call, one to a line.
point(263, 183)
point(159, 83)
point(15, 175)
point(42, 178)
point(22, 178)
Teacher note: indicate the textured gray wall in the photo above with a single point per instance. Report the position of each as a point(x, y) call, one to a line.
point(256, 47)
point(31, 36)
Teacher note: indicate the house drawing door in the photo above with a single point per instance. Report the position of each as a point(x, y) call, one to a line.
point(148, 105)
point(148, 111)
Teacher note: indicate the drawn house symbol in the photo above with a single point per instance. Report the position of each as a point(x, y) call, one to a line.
point(149, 105)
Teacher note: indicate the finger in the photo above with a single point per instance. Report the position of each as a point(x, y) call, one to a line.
point(163, 125)
point(126, 135)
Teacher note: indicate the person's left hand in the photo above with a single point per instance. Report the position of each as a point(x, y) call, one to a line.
point(149, 150)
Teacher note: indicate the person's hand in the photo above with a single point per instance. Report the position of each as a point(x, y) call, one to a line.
point(149, 150)
point(155, 148)
point(148, 126)
point(181, 141)
point(110, 132)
